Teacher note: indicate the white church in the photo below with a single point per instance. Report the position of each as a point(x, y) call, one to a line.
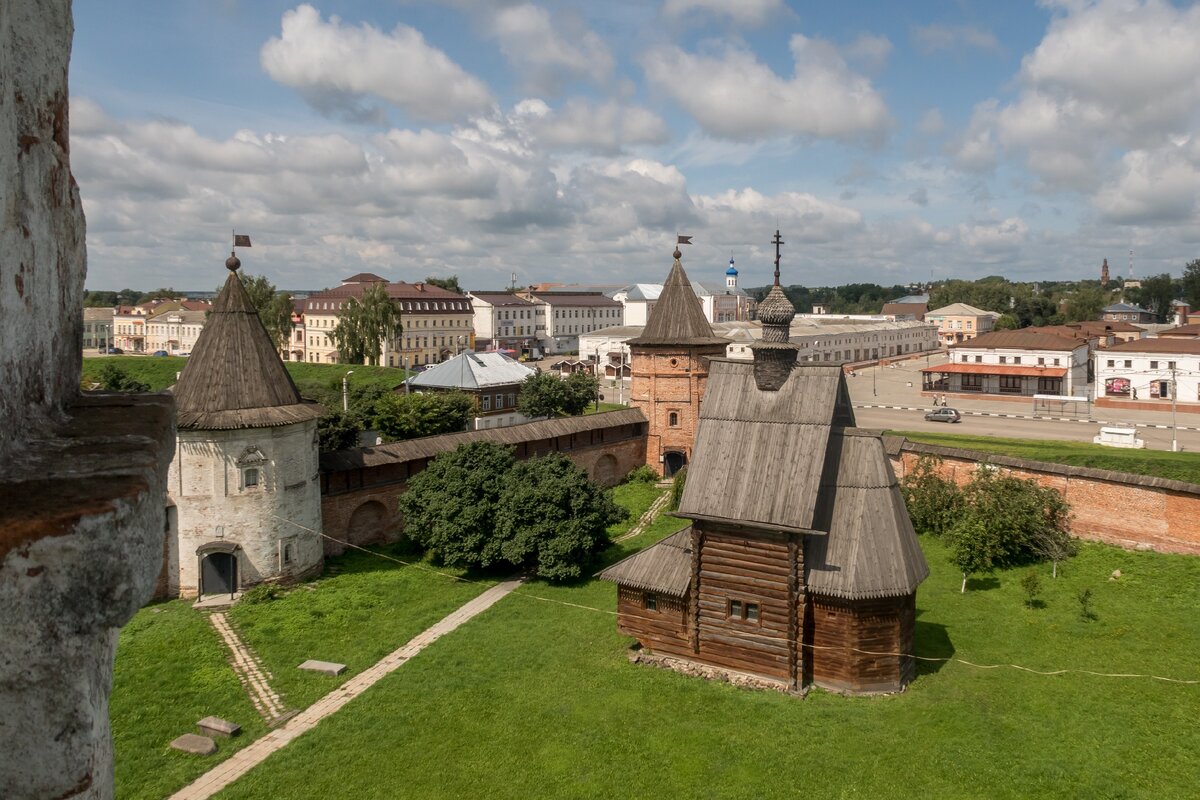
point(244, 487)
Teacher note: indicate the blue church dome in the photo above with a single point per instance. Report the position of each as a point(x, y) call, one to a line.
point(731, 271)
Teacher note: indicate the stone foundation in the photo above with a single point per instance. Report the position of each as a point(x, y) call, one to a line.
point(708, 672)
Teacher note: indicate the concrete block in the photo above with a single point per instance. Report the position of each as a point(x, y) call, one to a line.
point(215, 726)
point(324, 667)
point(198, 745)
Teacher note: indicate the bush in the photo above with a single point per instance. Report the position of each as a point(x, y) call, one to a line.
point(337, 430)
point(677, 484)
point(643, 474)
point(934, 503)
point(409, 416)
point(114, 379)
point(1021, 515)
point(263, 593)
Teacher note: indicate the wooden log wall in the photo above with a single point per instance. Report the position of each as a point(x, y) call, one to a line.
point(837, 628)
point(752, 568)
point(662, 631)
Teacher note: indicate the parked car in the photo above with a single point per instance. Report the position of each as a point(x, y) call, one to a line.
point(159, 353)
point(943, 415)
point(116, 351)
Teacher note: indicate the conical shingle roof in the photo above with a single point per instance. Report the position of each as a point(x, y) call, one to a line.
point(234, 377)
point(677, 317)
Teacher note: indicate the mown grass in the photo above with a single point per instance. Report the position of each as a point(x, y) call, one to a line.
point(159, 372)
point(1156, 463)
point(534, 699)
point(171, 671)
point(604, 406)
point(636, 497)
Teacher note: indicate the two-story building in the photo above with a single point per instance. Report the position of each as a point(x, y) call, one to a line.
point(131, 323)
point(1127, 312)
point(174, 332)
point(492, 379)
point(959, 322)
point(506, 321)
point(1015, 363)
point(436, 323)
point(561, 318)
point(1150, 370)
point(98, 328)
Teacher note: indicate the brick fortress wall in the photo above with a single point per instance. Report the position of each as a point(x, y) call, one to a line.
point(1130, 511)
point(360, 505)
point(665, 381)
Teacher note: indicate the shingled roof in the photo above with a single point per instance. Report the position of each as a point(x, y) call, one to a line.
point(677, 318)
point(664, 567)
point(234, 377)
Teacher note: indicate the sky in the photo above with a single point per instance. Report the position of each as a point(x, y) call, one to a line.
point(572, 141)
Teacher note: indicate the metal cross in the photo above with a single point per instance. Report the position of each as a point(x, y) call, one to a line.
point(777, 241)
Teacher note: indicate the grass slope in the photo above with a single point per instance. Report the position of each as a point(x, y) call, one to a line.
point(636, 497)
point(160, 372)
point(171, 671)
point(534, 699)
point(1157, 463)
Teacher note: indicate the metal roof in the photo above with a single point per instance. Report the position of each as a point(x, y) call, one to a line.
point(471, 371)
point(664, 567)
point(960, 310)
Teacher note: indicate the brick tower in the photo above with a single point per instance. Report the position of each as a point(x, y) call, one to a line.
point(1104, 273)
point(669, 371)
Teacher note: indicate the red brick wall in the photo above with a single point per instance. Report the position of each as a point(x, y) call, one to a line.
point(666, 380)
point(1124, 514)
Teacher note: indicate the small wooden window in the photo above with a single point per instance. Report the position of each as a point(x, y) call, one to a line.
point(651, 602)
point(250, 478)
point(673, 419)
point(751, 612)
point(735, 609)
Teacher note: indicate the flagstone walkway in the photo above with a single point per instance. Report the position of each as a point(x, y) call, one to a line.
point(254, 676)
point(655, 508)
point(254, 754)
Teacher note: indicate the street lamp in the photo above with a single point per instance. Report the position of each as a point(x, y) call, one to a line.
point(346, 390)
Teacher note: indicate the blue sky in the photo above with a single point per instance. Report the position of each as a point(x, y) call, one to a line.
point(890, 142)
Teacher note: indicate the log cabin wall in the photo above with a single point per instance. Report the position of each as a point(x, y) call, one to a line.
point(660, 630)
point(749, 568)
point(838, 628)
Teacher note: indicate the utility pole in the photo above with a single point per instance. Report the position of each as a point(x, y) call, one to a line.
point(1174, 397)
point(346, 390)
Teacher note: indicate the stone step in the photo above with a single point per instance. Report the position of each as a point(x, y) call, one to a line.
point(215, 726)
point(193, 743)
point(324, 667)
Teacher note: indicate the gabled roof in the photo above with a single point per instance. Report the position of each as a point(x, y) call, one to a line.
point(234, 377)
point(364, 277)
point(960, 310)
point(471, 371)
point(677, 317)
point(1174, 344)
point(912, 299)
point(1020, 340)
point(664, 567)
point(1125, 308)
point(575, 299)
point(1184, 331)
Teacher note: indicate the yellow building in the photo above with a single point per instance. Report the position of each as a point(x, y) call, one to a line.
point(959, 322)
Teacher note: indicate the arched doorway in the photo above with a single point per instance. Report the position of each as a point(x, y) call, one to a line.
point(605, 471)
point(218, 568)
point(673, 461)
point(368, 524)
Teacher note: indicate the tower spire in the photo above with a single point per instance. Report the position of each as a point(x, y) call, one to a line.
point(777, 241)
point(774, 353)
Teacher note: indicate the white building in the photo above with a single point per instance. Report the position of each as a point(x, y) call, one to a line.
point(505, 321)
point(1149, 370)
point(1020, 362)
point(492, 379)
point(562, 317)
point(244, 486)
point(174, 332)
point(721, 302)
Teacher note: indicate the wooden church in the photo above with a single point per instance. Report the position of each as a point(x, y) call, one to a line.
point(801, 565)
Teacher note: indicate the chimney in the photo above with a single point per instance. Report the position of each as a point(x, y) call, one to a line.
point(420, 287)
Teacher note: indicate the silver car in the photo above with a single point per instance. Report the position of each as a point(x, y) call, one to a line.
point(944, 415)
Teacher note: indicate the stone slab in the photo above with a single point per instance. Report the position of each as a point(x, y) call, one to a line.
point(215, 726)
point(323, 667)
point(192, 743)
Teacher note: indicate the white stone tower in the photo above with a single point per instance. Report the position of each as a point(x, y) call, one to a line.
point(244, 481)
point(731, 276)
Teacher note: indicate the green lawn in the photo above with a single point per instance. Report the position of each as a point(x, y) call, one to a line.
point(160, 371)
point(171, 671)
point(534, 699)
point(636, 497)
point(364, 608)
point(604, 406)
point(1157, 463)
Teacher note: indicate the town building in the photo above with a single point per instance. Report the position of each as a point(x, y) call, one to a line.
point(959, 322)
point(505, 321)
point(244, 494)
point(669, 369)
point(130, 323)
point(560, 318)
point(1021, 363)
point(1189, 331)
point(1126, 312)
point(492, 379)
point(296, 345)
point(1180, 311)
point(910, 307)
point(721, 302)
point(1151, 371)
point(435, 322)
point(801, 565)
point(98, 328)
point(174, 332)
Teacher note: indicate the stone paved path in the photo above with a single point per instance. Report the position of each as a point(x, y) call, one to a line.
point(254, 754)
point(254, 676)
point(655, 508)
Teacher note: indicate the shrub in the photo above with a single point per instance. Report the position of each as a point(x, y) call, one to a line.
point(114, 379)
point(677, 484)
point(643, 474)
point(934, 503)
point(1032, 585)
point(409, 416)
point(263, 593)
point(1021, 515)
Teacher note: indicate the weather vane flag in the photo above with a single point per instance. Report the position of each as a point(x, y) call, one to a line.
point(241, 239)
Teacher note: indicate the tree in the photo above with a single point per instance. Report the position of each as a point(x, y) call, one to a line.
point(542, 395)
point(364, 325)
point(1054, 544)
point(934, 502)
point(973, 547)
point(551, 518)
point(115, 379)
point(1086, 303)
point(409, 416)
point(1156, 295)
point(338, 430)
point(580, 389)
point(274, 307)
point(449, 284)
point(1191, 283)
point(1007, 322)
point(1019, 514)
point(450, 506)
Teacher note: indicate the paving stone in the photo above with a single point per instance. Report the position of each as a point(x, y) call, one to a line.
point(192, 743)
point(215, 726)
point(324, 667)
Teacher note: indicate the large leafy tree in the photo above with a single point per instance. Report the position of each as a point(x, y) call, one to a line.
point(338, 430)
point(551, 518)
point(364, 325)
point(542, 395)
point(449, 284)
point(1155, 295)
point(1191, 283)
point(274, 308)
point(579, 390)
point(1086, 303)
point(450, 506)
point(409, 416)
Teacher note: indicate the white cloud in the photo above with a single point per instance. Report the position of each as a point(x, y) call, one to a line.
point(940, 37)
point(870, 50)
point(341, 70)
point(1154, 186)
point(546, 52)
point(931, 122)
point(734, 95)
point(992, 237)
point(747, 13)
point(601, 128)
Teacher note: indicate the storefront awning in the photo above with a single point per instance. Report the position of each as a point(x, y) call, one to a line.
point(999, 369)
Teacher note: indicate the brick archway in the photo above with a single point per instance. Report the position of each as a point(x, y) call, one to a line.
point(368, 524)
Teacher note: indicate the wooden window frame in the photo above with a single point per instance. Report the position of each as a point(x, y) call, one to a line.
point(650, 601)
point(740, 610)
